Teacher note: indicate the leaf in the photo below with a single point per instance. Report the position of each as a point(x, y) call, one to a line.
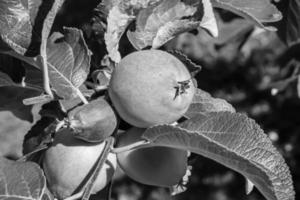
point(235, 141)
point(258, 11)
point(204, 103)
point(208, 21)
point(21, 180)
point(47, 195)
point(93, 122)
point(235, 31)
point(117, 23)
point(12, 133)
point(158, 24)
point(33, 76)
point(12, 100)
point(12, 67)
point(21, 25)
point(101, 78)
point(68, 62)
point(190, 65)
point(41, 131)
point(12, 95)
point(120, 15)
point(249, 186)
point(293, 22)
point(43, 49)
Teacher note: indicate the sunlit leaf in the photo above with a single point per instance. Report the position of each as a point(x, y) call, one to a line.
point(158, 24)
point(258, 11)
point(21, 180)
point(21, 25)
point(203, 103)
point(68, 62)
point(117, 23)
point(235, 141)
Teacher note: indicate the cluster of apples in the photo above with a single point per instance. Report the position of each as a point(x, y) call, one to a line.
point(147, 88)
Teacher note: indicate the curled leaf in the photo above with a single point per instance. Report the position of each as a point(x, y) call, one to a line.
point(258, 11)
point(117, 22)
point(157, 24)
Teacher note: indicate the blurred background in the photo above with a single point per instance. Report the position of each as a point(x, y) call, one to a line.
point(245, 66)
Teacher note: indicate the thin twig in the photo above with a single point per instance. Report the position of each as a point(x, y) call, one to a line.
point(46, 81)
point(100, 163)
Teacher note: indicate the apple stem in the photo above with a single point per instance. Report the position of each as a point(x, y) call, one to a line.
point(60, 125)
point(182, 87)
point(130, 147)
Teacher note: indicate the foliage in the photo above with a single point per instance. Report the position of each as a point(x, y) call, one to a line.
point(55, 72)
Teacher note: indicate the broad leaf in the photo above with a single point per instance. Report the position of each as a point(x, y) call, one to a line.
point(204, 103)
point(21, 180)
point(119, 15)
point(235, 141)
point(43, 49)
point(21, 25)
point(158, 24)
point(12, 95)
point(12, 133)
point(6, 81)
point(117, 23)
point(68, 62)
point(12, 99)
point(33, 76)
point(232, 32)
point(258, 11)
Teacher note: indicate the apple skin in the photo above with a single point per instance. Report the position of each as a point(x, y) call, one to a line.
point(93, 122)
point(68, 161)
point(144, 88)
point(155, 165)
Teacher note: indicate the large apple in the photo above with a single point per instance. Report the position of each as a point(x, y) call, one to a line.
point(151, 87)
